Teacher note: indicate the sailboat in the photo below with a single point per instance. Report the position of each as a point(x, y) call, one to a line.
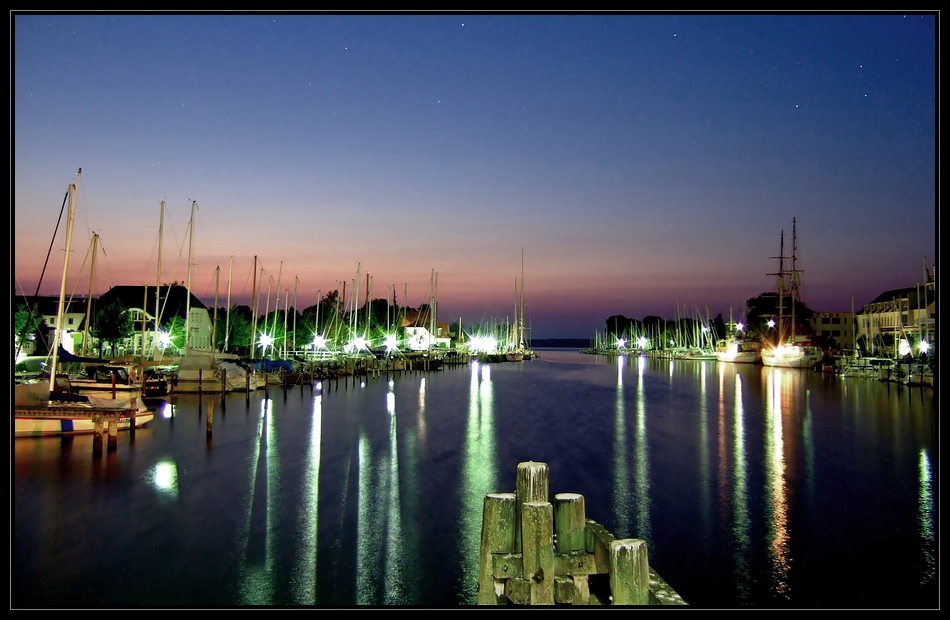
point(51, 407)
point(792, 351)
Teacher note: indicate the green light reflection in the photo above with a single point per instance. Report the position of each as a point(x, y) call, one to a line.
point(641, 471)
point(257, 580)
point(479, 476)
point(621, 486)
point(393, 586)
point(304, 585)
point(926, 518)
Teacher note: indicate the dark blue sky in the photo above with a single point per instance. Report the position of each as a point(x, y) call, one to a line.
point(640, 161)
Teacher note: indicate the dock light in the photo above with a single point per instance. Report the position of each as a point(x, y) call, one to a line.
point(771, 324)
point(739, 327)
point(620, 343)
point(164, 339)
point(266, 340)
point(359, 343)
point(705, 329)
point(924, 346)
point(672, 342)
point(319, 342)
point(391, 343)
point(642, 342)
point(483, 344)
point(904, 347)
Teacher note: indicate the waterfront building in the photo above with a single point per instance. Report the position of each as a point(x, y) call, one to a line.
point(896, 315)
point(45, 309)
point(838, 326)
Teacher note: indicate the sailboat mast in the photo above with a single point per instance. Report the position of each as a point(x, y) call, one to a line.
point(254, 307)
point(521, 338)
point(227, 315)
point(191, 247)
point(158, 278)
point(793, 276)
point(781, 286)
point(70, 216)
point(214, 323)
point(92, 274)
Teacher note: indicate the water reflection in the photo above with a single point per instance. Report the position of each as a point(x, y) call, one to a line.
point(926, 508)
point(621, 487)
point(641, 471)
point(777, 381)
point(304, 586)
point(257, 579)
point(479, 475)
point(741, 523)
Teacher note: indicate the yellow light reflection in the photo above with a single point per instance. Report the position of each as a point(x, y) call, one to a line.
point(704, 473)
point(776, 503)
point(478, 477)
point(741, 525)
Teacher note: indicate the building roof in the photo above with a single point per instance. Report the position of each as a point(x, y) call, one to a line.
point(926, 296)
point(174, 299)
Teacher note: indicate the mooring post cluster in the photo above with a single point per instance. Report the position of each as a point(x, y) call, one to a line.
point(534, 552)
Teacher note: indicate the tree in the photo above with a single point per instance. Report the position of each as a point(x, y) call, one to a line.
point(175, 328)
point(113, 324)
point(25, 323)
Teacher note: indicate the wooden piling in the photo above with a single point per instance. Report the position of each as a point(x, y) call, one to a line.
point(113, 434)
point(97, 435)
point(531, 485)
point(210, 410)
point(537, 551)
point(569, 522)
point(498, 536)
point(629, 572)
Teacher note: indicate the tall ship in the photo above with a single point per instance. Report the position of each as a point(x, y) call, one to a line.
point(790, 350)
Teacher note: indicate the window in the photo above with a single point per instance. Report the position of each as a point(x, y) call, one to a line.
point(71, 321)
point(835, 333)
point(835, 320)
point(824, 320)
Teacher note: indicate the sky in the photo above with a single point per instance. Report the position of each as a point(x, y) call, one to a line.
point(641, 164)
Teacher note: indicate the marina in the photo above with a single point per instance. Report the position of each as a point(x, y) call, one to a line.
point(751, 486)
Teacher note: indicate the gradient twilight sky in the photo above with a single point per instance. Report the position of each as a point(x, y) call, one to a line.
point(641, 162)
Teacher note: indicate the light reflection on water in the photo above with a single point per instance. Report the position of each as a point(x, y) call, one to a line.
point(751, 486)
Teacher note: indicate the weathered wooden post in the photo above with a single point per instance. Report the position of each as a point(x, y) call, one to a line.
point(96, 435)
point(113, 433)
point(570, 522)
point(629, 572)
point(210, 409)
point(531, 485)
point(537, 551)
point(498, 536)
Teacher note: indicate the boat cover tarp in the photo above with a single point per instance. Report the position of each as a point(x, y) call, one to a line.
point(67, 357)
point(273, 365)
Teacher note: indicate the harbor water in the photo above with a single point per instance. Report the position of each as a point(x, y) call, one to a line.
point(752, 486)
